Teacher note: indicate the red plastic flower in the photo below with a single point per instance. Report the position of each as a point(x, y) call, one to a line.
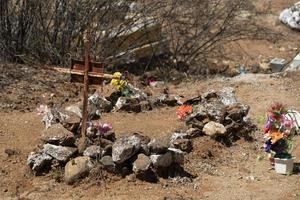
point(183, 111)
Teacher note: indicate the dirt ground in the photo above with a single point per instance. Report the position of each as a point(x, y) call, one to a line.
point(229, 173)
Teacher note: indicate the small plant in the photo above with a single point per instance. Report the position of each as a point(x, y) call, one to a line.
point(279, 132)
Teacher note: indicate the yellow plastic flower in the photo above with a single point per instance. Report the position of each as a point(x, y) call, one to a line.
point(117, 82)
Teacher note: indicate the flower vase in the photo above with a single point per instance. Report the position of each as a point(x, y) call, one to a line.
point(284, 165)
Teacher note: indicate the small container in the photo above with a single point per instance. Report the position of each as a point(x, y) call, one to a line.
point(284, 166)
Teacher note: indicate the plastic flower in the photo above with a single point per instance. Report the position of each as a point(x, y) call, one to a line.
point(183, 111)
point(276, 136)
point(268, 146)
point(118, 82)
point(104, 128)
point(268, 125)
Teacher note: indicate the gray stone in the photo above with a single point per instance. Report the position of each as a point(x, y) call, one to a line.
point(108, 163)
point(60, 153)
point(183, 144)
point(145, 105)
point(237, 112)
point(176, 136)
point(162, 160)
point(277, 64)
point(213, 128)
point(178, 155)
point(125, 147)
point(93, 151)
point(77, 168)
point(141, 164)
point(159, 146)
point(58, 135)
point(193, 133)
point(72, 123)
point(227, 96)
point(38, 161)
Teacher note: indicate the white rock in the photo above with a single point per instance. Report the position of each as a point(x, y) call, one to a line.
point(213, 128)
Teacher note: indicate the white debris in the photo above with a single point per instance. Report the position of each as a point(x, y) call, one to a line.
point(291, 16)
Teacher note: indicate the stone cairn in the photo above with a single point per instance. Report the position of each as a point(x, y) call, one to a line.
point(215, 114)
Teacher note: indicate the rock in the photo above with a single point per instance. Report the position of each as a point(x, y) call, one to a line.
point(77, 168)
point(110, 136)
point(176, 136)
point(98, 104)
point(277, 64)
point(72, 123)
point(58, 135)
point(178, 156)
point(183, 144)
point(141, 164)
point(162, 160)
point(11, 152)
point(93, 151)
point(145, 149)
point(165, 100)
point(145, 105)
point(125, 147)
point(193, 133)
point(215, 111)
point(107, 151)
point(62, 154)
point(227, 96)
point(38, 161)
point(211, 94)
point(237, 112)
point(144, 139)
point(105, 142)
point(108, 163)
point(159, 146)
point(76, 109)
point(128, 104)
point(213, 128)
point(197, 120)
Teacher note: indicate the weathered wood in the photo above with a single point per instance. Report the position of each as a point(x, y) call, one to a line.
point(80, 72)
point(82, 140)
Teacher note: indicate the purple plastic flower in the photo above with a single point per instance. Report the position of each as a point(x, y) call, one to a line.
point(104, 128)
point(268, 146)
point(268, 125)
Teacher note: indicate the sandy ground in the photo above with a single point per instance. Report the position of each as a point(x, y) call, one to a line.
point(227, 175)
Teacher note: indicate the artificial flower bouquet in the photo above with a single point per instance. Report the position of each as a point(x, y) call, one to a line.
point(279, 133)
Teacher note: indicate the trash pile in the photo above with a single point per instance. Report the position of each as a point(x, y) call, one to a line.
point(219, 115)
point(291, 16)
